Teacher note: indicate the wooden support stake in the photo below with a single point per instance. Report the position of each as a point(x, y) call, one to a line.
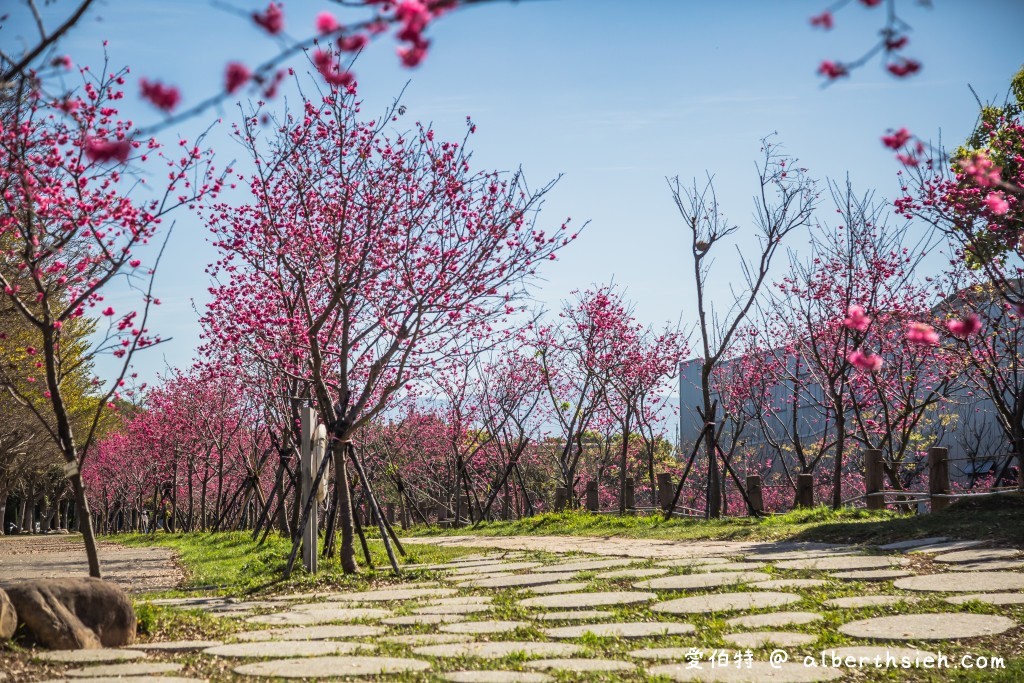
point(938, 477)
point(873, 479)
point(754, 492)
point(592, 502)
point(805, 490)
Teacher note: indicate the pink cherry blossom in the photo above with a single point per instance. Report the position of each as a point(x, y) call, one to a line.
point(896, 139)
point(272, 18)
point(856, 319)
point(162, 96)
point(904, 67)
point(865, 361)
point(235, 76)
point(326, 23)
point(996, 203)
point(964, 327)
point(823, 20)
point(981, 170)
point(102, 150)
point(832, 70)
point(922, 333)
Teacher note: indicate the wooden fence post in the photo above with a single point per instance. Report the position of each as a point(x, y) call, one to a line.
point(805, 490)
point(754, 493)
point(665, 491)
point(592, 502)
point(630, 493)
point(938, 477)
point(873, 479)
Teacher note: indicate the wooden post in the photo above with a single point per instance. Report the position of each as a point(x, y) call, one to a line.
point(389, 512)
point(754, 492)
point(309, 535)
point(442, 512)
point(873, 479)
point(561, 496)
point(665, 492)
point(592, 503)
point(938, 477)
point(805, 490)
point(630, 493)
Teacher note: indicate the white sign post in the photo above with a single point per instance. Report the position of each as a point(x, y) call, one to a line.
point(309, 535)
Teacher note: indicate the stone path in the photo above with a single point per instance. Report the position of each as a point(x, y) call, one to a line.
point(55, 556)
point(616, 608)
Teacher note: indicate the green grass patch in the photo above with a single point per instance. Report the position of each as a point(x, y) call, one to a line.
point(998, 518)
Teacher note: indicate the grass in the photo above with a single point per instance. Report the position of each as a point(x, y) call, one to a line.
point(999, 519)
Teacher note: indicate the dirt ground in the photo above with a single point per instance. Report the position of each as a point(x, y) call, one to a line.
point(44, 556)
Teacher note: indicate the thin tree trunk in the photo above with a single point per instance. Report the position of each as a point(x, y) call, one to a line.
point(346, 525)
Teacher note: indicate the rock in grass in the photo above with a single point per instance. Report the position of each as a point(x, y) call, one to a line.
point(74, 614)
point(8, 617)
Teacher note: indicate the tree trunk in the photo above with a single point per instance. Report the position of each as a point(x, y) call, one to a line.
point(714, 491)
point(622, 464)
point(837, 472)
point(83, 516)
point(345, 523)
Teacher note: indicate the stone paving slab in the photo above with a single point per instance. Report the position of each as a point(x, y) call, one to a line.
point(731, 567)
point(588, 600)
point(945, 547)
point(129, 669)
point(574, 615)
point(331, 667)
point(484, 627)
point(326, 632)
point(864, 656)
point(756, 673)
point(314, 617)
point(495, 676)
point(146, 678)
point(503, 566)
point(725, 602)
point(987, 566)
point(585, 565)
point(396, 594)
point(579, 665)
point(755, 639)
point(97, 656)
point(632, 573)
point(963, 582)
point(688, 582)
point(176, 645)
point(517, 580)
point(287, 648)
point(423, 619)
point(427, 638)
point(990, 598)
point(773, 619)
point(639, 629)
point(939, 626)
point(342, 608)
point(859, 601)
point(452, 609)
point(843, 562)
point(691, 561)
point(462, 600)
point(775, 584)
point(498, 649)
point(675, 653)
point(552, 588)
point(871, 574)
point(914, 543)
point(978, 555)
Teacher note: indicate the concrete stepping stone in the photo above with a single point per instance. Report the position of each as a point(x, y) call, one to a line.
point(725, 602)
point(773, 619)
point(963, 582)
point(691, 561)
point(423, 619)
point(176, 645)
point(660, 653)
point(689, 582)
point(241, 606)
point(503, 566)
point(588, 600)
point(987, 566)
point(455, 564)
point(129, 669)
point(574, 615)
point(187, 602)
point(632, 573)
point(978, 555)
point(396, 594)
point(287, 648)
point(312, 617)
point(331, 667)
point(756, 639)
point(579, 665)
point(311, 633)
point(97, 656)
point(732, 567)
point(858, 601)
point(586, 565)
point(639, 629)
point(480, 627)
point(946, 547)
point(868, 656)
point(787, 555)
point(452, 609)
point(289, 597)
point(843, 562)
point(940, 626)
point(516, 580)
point(144, 678)
point(462, 581)
point(495, 676)
point(788, 672)
point(775, 584)
point(990, 598)
point(462, 600)
point(914, 543)
point(498, 649)
point(871, 574)
point(342, 609)
point(427, 638)
point(552, 588)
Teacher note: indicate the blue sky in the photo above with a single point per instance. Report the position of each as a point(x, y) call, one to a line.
point(615, 95)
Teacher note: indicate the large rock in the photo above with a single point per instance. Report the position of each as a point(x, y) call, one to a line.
point(8, 617)
point(73, 614)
